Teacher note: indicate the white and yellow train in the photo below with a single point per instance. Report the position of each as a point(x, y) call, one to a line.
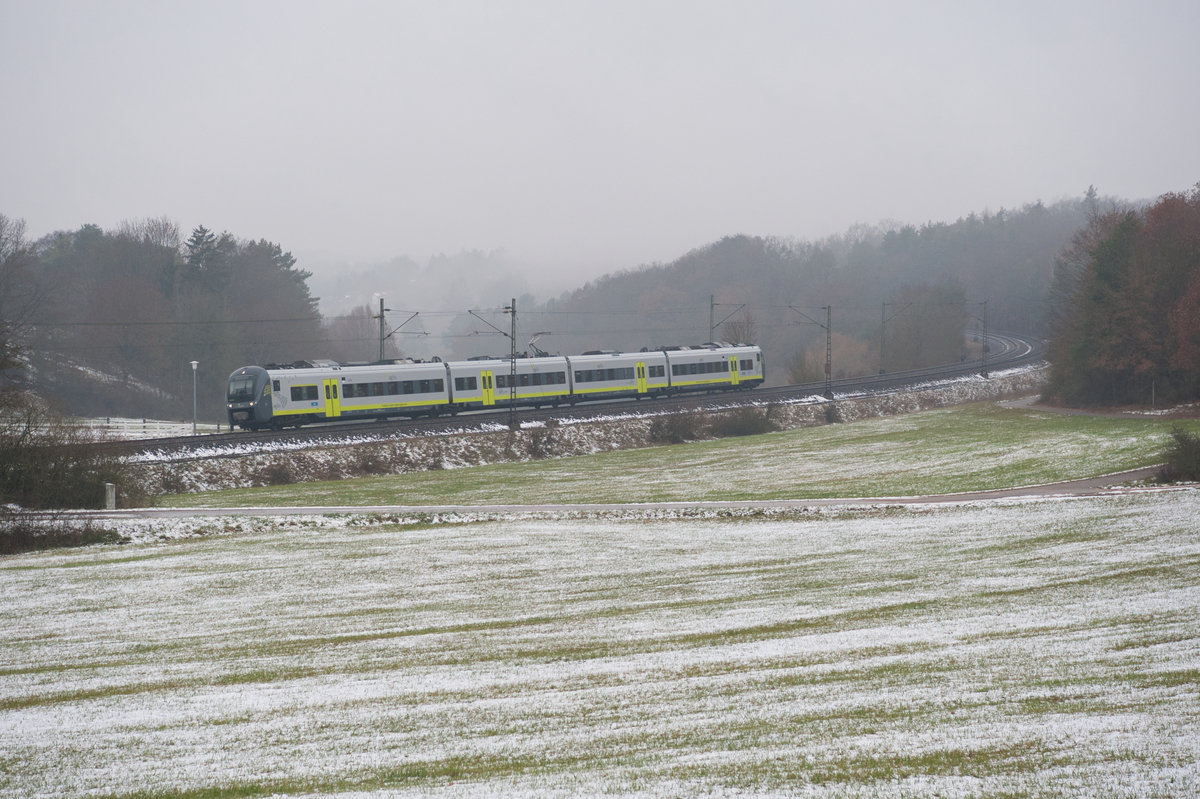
point(278, 396)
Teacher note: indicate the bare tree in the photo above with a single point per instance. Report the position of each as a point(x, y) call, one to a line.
point(160, 230)
point(741, 330)
point(19, 294)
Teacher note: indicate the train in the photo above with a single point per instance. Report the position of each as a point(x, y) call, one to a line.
point(305, 392)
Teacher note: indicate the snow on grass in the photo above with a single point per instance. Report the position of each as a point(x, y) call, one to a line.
point(966, 448)
point(1011, 648)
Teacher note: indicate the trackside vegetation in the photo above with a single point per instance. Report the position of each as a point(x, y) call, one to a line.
point(1182, 457)
point(966, 448)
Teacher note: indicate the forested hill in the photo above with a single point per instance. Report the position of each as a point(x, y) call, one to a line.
point(912, 284)
point(108, 322)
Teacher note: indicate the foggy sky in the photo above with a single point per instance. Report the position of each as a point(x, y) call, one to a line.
point(590, 135)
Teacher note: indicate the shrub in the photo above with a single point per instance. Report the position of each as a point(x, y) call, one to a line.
point(1182, 457)
point(542, 442)
point(676, 428)
point(24, 531)
point(45, 463)
point(276, 473)
point(744, 421)
point(371, 461)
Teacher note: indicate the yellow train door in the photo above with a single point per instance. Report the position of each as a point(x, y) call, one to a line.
point(333, 402)
point(734, 377)
point(487, 381)
point(640, 371)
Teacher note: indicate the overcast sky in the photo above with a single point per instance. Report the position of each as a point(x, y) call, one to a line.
point(593, 135)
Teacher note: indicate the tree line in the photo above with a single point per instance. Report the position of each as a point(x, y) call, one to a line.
point(1125, 327)
point(108, 322)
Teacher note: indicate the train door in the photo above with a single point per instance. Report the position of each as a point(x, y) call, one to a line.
point(487, 382)
point(734, 377)
point(333, 403)
point(640, 371)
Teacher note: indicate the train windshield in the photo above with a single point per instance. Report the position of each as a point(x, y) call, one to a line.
point(241, 389)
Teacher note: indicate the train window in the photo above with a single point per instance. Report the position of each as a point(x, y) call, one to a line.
point(747, 365)
point(407, 385)
point(439, 385)
point(274, 385)
point(466, 384)
point(241, 389)
point(303, 393)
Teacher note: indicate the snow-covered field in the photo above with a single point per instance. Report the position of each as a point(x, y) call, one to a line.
point(1019, 648)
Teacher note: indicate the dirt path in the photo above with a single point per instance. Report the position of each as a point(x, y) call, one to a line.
point(1190, 411)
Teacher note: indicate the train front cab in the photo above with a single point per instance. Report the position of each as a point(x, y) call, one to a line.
point(248, 398)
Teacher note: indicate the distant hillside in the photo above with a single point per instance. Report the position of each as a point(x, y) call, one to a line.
point(108, 322)
point(773, 291)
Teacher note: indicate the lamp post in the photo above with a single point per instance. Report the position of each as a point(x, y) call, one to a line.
point(194, 365)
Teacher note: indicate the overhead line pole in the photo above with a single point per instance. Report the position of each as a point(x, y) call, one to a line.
point(712, 326)
point(828, 352)
point(383, 334)
point(828, 309)
point(985, 340)
point(381, 328)
point(512, 356)
point(512, 373)
point(883, 320)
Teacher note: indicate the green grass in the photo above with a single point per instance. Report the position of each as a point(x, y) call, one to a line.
point(967, 448)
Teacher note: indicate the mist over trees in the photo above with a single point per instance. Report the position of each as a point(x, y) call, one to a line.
point(1126, 321)
point(899, 296)
point(439, 291)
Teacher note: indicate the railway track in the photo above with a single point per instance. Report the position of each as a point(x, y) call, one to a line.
point(1005, 351)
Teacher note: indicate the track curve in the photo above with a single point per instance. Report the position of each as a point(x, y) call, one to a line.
point(1005, 351)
